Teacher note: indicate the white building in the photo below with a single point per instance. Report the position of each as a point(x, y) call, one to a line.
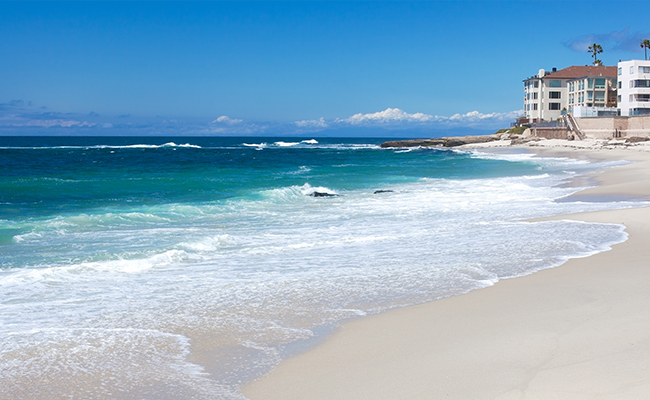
point(634, 87)
point(546, 95)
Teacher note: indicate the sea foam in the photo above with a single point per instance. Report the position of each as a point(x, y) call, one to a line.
point(116, 292)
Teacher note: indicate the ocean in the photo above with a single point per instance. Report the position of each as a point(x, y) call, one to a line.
point(168, 268)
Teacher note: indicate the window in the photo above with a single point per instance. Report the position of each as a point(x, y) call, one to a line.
point(527, 107)
point(631, 84)
point(631, 98)
point(600, 83)
point(631, 69)
point(534, 95)
point(555, 83)
point(600, 95)
point(620, 85)
point(590, 83)
point(535, 107)
point(619, 98)
point(620, 70)
point(554, 95)
point(590, 96)
point(553, 106)
point(642, 83)
point(643, 97)
point(571, 86)
point(644, 70)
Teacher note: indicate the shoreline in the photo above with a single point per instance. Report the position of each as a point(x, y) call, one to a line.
point(557, 333)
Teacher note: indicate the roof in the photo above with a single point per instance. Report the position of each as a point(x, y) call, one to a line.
point(578, 71)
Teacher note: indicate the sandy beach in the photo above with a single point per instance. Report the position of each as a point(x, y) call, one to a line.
point(578, 331)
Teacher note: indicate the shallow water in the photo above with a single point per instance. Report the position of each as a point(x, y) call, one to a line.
point(181, 267)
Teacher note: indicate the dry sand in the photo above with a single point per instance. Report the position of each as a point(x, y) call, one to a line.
point(578, 331)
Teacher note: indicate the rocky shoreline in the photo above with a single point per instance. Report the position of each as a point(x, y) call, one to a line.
point(453, 141)
point(511, 140)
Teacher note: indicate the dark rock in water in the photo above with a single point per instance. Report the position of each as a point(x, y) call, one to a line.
point(323, 194)
point(383, 191)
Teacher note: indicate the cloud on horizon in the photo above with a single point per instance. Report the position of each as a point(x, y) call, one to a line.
point(20, 117)
point(224, 119)
point(396, 117)
point(388, 116)
point(48, 123)
point(18, 113)
point(312, 123)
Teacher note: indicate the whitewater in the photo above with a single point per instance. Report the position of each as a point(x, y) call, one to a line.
point(186, 267)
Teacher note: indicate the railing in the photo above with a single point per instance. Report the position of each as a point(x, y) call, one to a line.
point(552, 124)
point(640, 112)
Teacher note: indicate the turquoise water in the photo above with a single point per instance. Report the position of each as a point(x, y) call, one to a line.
point(121, 259)
point(50, 175)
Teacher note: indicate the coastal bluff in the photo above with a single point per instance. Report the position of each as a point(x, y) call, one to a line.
point(452, 141)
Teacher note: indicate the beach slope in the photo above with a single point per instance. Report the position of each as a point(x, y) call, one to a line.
point(579, 331)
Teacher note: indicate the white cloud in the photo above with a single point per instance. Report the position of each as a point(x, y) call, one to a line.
point(388, 116)
point(224, 119)
point(395, 116)
point(475, 116)
point(312, 123)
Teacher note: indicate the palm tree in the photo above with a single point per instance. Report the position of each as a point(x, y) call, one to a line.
point(645, 45)
point(595, 49)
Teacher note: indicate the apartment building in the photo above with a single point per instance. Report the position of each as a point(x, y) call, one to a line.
point(547, 94)
point(634, 87)
point(592, 91)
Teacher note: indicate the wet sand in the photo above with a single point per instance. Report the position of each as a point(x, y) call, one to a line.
point(578, 331)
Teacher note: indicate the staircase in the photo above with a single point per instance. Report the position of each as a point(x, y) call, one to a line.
point(573, 126)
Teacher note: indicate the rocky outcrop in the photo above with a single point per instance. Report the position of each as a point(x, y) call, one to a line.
point(441, 142)
point(323, 194)
point(524, 140)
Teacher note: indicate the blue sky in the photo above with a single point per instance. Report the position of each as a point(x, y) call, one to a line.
point(257, 68)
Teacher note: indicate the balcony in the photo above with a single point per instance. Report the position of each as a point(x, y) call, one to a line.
point(640, 111)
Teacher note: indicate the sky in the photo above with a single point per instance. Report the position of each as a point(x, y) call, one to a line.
point(395, 68)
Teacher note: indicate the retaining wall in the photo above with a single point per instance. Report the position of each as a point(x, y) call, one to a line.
point(614, 127)
point(550, 133)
